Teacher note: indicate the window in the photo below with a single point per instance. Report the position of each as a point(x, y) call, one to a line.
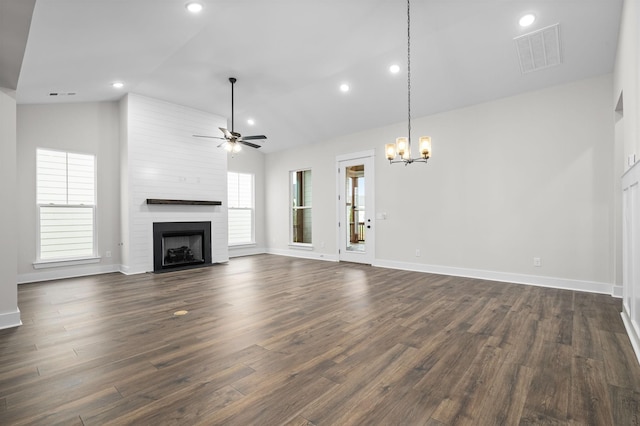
point(301, 207)
point(66, 199)
point(240, 198)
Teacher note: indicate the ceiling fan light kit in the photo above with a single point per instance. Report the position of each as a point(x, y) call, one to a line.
point(233, 140)
point(400, 152)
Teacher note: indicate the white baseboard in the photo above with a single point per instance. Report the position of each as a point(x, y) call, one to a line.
point(128, 271)
point(551, 282)
point(70, 272)
point(631, 332)
point(10, 319)
point(245, 251)
point(304, 254)
point(617, 291)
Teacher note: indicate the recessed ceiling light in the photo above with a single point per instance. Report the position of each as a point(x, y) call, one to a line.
point(194, 7)
point(394, 69)
point(117, 85)
point(344, 87)
point(527, 20)
point(251, 122)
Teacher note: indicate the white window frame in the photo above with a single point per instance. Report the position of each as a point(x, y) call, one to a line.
point(293, 208)
point(252, 209)
point(68, 261)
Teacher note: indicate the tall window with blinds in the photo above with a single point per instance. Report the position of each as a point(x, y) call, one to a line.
point(66, 198)
point(240, 208)
point(301, 207)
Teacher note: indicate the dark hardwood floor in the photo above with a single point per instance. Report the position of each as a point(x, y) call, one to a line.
point(271, 340)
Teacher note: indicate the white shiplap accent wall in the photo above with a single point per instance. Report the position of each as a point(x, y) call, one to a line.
point(164, 160)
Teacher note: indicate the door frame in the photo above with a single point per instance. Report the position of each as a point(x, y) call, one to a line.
point(370, 204)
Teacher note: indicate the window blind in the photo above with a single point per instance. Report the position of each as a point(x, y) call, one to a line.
point(66, 204)
point(240, 212)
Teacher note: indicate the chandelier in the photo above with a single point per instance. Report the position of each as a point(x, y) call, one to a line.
point(400, 152)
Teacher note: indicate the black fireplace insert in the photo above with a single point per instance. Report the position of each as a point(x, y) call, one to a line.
point(181, 245)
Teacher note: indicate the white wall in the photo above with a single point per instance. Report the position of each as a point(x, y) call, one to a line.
point(251, 161)
point(522, 177)
point(627, 80)
point(90, 128)
point(164, 160)
point(9, 312)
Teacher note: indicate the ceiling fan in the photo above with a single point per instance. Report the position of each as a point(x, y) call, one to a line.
point(232, 139)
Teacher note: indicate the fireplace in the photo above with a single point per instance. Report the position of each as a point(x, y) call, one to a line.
point(181, 245)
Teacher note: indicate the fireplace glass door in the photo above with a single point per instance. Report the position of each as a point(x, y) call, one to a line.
point(182, 250)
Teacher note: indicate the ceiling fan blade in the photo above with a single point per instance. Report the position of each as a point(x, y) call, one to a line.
point(227, 134)
point(209, 137)
point(252, 145)
point(250, 138)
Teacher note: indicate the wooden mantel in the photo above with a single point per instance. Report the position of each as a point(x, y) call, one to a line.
point(183, 202)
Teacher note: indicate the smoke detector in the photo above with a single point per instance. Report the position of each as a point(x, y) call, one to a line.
point(539, 49)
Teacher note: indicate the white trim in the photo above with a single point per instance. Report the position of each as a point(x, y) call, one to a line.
point(10, 319)
point(368, 159)
point(56, 274)
point(93, 206)
point(301, 246)
point(127, 271)
point(246, 250)
point(292, 208)
point(42, 264)
point(304, 255)
point(631, 332)
point(535, 280)
point(242, 245)
point(356, 155)
point(252, 209)
point(617, 291)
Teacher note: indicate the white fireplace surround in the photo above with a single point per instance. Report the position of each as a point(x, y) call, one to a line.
point(161, 159)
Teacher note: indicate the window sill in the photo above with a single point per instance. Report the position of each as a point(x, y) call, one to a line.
point(301, 246)
point(43, 264)
point(241, 245)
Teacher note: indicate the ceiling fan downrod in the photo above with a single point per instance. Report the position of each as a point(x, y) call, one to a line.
point(232, 80)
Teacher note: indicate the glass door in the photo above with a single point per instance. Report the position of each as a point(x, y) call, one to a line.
point(356, 215)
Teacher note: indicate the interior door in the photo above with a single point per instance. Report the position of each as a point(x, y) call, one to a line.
point(356, 210)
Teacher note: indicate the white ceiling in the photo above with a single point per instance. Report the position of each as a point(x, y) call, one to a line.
point(290, 56)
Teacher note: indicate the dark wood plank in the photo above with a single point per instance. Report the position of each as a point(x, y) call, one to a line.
point(625, 405)
point(183, 202)
point(277, 340)
point(589, 402)
point(549, 391)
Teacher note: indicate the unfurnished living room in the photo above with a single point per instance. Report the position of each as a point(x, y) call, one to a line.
point(337, 212)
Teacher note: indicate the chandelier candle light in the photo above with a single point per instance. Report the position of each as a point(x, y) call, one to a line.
point(402, 147)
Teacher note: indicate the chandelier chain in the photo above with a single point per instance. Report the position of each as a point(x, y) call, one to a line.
point(409, 68)
point(400, 152)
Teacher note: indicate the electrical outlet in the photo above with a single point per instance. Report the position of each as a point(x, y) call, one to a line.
point(107, 253)
point(417, 252)
point(537, 262)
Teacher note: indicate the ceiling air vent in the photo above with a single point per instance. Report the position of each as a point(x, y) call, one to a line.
point(62, 93)
point(539, 49)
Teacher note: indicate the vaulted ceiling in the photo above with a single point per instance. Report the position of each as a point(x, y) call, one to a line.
point(291, 56)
